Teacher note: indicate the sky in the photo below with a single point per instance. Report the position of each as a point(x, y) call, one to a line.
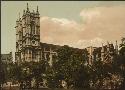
point(75, 23)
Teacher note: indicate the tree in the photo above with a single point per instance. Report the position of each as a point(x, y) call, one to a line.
point(38, 70)
point(2, 75)
point(122, 61)
point(69, 66)
point(62, 67)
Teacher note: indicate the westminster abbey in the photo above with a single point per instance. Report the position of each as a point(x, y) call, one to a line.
point(28, 45)
point(29, 48)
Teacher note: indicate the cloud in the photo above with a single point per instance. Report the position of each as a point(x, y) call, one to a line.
point(98, 25)
point(96, 42)
point(89, 14)
point(59, 30)
point(108, 23)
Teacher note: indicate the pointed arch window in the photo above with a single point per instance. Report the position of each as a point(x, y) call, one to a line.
point(32, 28)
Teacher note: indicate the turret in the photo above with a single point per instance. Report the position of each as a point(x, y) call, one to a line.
point(37, 11)
point(20, 21)
point(108, 46)
point(116, 47)
point(27, 8)
point(37, 22)
point(24, 13)
point(24, 22)
point(102, 50)
point(28, 29)
point(16, 27)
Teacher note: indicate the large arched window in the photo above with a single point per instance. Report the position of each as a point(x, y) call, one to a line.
point(32, 28)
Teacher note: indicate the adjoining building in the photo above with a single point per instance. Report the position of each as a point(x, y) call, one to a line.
point(7, 58)
point(105, 53)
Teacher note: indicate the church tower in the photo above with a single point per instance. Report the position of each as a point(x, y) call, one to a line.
point(28, 36)
point(18, 28)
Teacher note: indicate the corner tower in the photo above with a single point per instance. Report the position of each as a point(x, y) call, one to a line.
point(28, 36)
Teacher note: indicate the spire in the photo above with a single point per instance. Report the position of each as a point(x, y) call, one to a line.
point(102, 48)
point(27, 7)
point(116, 42)
point(116, 47)
point(23, 12)
point(102, 53)
point(107, 44)
point(37, 9)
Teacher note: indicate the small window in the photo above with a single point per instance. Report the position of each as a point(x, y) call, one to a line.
point(33, 42)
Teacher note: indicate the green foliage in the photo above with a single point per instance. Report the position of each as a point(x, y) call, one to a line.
point(69, 66)
point(122, 62)
point(2, 73)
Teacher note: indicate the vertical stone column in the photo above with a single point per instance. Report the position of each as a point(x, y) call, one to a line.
point(38, 55)
point(41, 56)
point(50, 56)
point(31, 55)
point(28, 55)
point(45, 56)
point(90, 55)
point(21, 56)
point(25, 55)
point(102, 53)
point(50, 61)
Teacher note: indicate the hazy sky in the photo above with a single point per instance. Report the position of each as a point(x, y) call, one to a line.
point(76, 23)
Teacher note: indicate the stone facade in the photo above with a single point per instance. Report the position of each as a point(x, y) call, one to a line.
point(28, 45)
point(105, 53)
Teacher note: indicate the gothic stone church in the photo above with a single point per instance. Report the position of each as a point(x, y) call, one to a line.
point(29, 48)
point(28, 45)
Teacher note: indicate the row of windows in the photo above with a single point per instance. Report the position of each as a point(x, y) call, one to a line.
point(28, 20)
point(31, 30)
